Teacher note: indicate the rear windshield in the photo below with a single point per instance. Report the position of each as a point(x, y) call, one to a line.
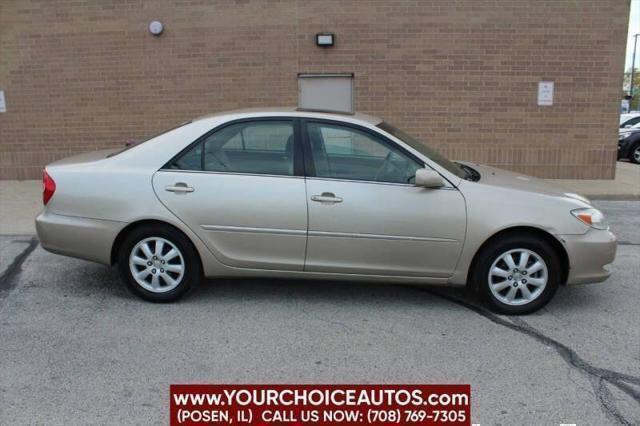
point(131, 144)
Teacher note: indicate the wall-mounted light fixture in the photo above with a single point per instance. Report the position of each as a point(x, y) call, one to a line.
point(156, 28)
point(325, 39)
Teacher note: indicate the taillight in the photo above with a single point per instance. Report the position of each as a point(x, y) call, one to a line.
point(49, 187)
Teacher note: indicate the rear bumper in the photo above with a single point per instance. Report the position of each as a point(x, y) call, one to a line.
point(89, 239)
point(590, 256)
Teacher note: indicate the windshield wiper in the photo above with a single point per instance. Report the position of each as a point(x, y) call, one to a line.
point(472, 174)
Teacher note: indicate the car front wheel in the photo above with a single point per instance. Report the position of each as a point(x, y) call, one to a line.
point(158, 263)
point(518, 275)
point(634, 156)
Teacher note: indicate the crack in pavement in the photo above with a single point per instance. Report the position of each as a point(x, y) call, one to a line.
point(8, 277)
point(604, 397)
point(599, 377)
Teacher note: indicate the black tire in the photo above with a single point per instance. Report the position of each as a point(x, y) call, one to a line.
point(634, 153)
point(191, 262)
point(494, 250)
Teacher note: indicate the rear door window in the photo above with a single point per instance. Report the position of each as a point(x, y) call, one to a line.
point(256, 147)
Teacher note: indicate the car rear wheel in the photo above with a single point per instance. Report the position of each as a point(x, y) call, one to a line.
point(518, 275)
point(634, 155)
point(158, 263)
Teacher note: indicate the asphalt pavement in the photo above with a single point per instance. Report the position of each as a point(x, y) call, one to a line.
point(77, 348)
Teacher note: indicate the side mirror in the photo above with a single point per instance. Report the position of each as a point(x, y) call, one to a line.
point(427, 178)
point(628, 126)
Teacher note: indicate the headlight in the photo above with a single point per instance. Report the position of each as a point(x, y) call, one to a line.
point(622, 136)
point(591, 217)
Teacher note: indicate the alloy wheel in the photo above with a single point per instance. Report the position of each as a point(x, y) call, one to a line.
point(156, 264)
point(518, 277)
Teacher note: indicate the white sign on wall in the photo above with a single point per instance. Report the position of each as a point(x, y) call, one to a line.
point(3, 104)
point(545, 93)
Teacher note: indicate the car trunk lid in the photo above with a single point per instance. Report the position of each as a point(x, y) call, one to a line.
point(84, 158)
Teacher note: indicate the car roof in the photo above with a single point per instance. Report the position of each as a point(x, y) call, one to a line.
point(293, 112)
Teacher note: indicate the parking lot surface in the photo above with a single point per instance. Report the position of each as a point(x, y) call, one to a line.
point(77, 347)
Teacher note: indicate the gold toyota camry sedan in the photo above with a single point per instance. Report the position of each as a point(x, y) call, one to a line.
point(304, 194)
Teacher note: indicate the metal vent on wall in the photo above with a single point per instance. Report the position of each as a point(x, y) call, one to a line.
point(326, 92)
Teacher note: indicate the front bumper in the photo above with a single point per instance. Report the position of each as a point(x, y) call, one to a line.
point(84, 238)
point(590, 256)
point(624, 148)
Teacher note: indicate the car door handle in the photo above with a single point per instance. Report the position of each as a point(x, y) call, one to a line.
point(326, 197)
point(179, 187)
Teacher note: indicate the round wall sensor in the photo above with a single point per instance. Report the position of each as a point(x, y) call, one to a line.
point(155, 28)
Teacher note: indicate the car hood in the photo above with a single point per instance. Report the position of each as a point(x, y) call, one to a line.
point(492, 176)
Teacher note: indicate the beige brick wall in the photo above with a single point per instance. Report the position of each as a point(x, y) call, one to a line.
point(460, 74)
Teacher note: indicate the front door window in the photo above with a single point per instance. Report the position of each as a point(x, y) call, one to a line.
point(341, 152)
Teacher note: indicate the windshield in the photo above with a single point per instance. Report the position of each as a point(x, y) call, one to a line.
point(630, 121)
point(433, 155)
